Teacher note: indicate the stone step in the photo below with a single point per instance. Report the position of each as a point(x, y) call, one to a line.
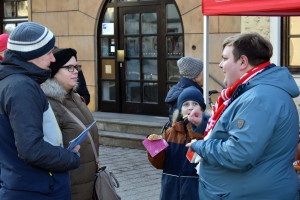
point(125, 140)
point(127, 130)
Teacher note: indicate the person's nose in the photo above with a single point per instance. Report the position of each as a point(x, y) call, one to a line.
point(221, 64)
point(191, 107)
point(75, 71)
point(52, 58)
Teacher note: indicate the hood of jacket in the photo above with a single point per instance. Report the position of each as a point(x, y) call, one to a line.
point(278, 77)
point(12, 64)
point(53, 90)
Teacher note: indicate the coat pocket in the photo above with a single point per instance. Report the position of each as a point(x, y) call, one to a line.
point(208, 191)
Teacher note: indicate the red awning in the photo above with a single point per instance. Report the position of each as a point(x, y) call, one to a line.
point(251, 7)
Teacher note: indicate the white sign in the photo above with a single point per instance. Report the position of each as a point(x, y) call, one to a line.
point(107, 69)
point(107, 28)
point(112, 49)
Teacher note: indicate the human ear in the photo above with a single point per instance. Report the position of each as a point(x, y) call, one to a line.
point(244, 62)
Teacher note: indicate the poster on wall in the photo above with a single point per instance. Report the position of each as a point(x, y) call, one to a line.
point(107, 28)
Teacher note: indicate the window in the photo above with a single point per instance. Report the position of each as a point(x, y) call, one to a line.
point(13, 13)
point(291, 44)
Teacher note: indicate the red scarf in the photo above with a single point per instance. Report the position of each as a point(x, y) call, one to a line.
point(226, 94)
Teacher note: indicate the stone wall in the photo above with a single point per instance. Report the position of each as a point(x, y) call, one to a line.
point(260, 25)
point(220, 27)
point(73, 23)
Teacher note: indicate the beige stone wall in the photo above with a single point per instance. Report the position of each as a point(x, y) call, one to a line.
point(260, 25)
point(220, 27)
point(73, 23)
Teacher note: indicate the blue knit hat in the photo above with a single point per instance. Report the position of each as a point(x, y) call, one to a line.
point(30, 40)
point(190, 94)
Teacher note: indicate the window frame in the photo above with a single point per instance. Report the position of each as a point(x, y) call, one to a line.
point(10, 20)
point(285, 47)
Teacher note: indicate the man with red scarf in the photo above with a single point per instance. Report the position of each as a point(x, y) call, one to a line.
point(252, 133)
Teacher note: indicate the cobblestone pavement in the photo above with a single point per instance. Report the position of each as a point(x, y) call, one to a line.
point(138, 179)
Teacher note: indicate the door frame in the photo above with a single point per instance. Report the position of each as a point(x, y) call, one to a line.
point(164, 83)
point(142, 108)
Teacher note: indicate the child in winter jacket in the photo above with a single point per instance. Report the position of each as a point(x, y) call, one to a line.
point(179, 179)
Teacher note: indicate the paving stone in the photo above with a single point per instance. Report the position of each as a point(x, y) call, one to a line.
point(138, 179)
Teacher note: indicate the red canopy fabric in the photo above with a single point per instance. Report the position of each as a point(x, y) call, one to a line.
point(251, 7)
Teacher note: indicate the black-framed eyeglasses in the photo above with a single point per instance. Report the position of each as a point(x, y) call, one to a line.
point(72, 67)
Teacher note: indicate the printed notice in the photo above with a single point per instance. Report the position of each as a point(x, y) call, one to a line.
point(107, 28)
point(107, 69)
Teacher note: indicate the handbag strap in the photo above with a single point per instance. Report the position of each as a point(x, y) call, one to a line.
point(83, 126)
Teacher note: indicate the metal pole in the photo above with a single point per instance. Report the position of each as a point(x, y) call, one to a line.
point(275, 26)
point(205, 57)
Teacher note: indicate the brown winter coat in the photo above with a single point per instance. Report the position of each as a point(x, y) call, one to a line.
point(176, 135)
point(82, 178)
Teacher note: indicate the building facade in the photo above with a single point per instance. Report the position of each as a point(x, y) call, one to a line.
point(129, 48)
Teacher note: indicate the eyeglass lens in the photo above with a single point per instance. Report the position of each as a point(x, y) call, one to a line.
point(72, 67)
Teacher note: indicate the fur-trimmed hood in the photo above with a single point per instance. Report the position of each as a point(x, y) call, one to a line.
point(53, 90)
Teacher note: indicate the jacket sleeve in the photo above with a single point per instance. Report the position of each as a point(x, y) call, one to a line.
point(158, 161)
point(192, 134)
point(245, 136)
point(25, 106)
point(202, 126)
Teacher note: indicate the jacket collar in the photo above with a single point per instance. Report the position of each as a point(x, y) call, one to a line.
point(53, 90)
point(12, 64)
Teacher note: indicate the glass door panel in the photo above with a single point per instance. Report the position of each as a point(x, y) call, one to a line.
point(172, 70)
point(131, 22)
point(149, 44)
point(133, 69)
point(174, 46)
point(173, 20)
point(150, 70)
point(132, 46)
point(108, 91)
point(150, 91)
point(133, 92)
point(149, 23)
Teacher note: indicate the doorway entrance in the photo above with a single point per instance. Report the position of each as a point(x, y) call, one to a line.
point(139, 44)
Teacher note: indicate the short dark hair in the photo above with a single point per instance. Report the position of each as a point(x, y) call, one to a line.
point(256, 48)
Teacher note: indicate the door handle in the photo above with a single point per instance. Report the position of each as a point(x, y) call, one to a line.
point(120, 56)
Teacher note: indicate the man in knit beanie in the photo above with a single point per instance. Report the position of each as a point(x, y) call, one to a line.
point(191, 74)
point(31, 140)
point(3, 44)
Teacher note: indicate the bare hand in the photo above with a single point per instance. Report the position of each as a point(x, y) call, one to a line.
point(76, 148)
point(195, 117)
point(189, 146)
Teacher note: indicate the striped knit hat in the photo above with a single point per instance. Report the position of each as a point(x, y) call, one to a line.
point(30, 40)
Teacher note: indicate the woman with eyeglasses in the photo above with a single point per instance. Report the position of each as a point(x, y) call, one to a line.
point(60, 90)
